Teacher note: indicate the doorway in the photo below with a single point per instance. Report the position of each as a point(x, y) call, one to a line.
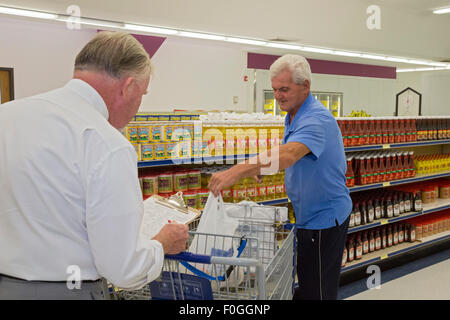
point(6, 84)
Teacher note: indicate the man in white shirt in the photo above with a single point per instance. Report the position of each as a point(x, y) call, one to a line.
point(70, 200)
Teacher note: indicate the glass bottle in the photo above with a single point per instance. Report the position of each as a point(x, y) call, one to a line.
point(371, 241)
point(365, 241)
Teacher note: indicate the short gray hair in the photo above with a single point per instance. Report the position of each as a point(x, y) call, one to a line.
point(116, 53)
point(298, 65)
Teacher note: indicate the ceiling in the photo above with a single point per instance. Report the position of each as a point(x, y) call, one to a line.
point(408, 27)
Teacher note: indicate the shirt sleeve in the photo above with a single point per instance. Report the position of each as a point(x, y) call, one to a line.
point(114, 211)
point(310, 132)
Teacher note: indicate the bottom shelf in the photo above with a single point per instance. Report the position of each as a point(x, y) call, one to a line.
point(395, 250)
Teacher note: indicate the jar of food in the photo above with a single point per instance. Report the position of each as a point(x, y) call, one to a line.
point(165, 183)
point(427, 195)
point(202, 198)
point(150, 185)
point(194, 179)
point(147, 152)
point(444, 190)
point(180, 181)
point(191, 199)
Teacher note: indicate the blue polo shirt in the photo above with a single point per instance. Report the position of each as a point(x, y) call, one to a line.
point(316, 183)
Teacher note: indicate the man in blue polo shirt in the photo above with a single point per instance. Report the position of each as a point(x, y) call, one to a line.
point(312, 153)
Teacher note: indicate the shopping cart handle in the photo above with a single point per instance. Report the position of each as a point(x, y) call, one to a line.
point(189, 257)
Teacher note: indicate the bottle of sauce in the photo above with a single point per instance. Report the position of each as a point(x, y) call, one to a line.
point(389, 210)
point(372, 132)
point(412, 233)
point(396, 205)
point(378, 210)
point(362, 210)
point(360, 133)
point(401, 234)
point(369, 169)
point(413, 130)
point(401, 202)
point(349, 175)
point(385, 131)
point(391, 130)
point(351, 250)
point(377, 240)
point(396, 125)
point(395, 235)
point(358, 248)
point(366, 131)
point(430, 129)
point(383, 238)
point(357, 214)
point(371, 242)
point(351, 222)
point(411, 163)
point(417, 201)
point(365, 242)
point(361, 171)
point(370, 211)
point(376, 170)
point(389, 170)
point(407, 232)
point(435, 129)
point(395, 171)
point(389, 237)
point(404, 127)
point(407, 200)
point(379, 132)
point(382, 167)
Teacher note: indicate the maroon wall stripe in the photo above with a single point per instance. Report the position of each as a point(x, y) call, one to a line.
point(151, 44)
point(263, 61)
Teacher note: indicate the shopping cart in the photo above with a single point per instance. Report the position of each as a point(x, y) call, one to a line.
point(261, 268)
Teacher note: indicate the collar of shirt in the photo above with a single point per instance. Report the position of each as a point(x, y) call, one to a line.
point(90, 94)
point(303, 108)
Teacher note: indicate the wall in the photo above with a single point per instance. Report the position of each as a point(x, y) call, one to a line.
point(42, 54)
point(195, 74)
point(373, 95)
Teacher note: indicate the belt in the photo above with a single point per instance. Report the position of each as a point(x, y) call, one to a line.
point(14, 278)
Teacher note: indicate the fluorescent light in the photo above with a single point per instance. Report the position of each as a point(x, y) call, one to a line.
point(135, 27)
point(28, 13)
point(372, 56)
point(246, 41)
point(201, 35)
point(90, 22)
point(318, 50)
point(441, 11)
point(394, 59)
point(284, 46)
point(347, 53)
point(420, 69)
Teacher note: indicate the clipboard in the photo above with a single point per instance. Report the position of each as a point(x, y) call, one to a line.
point(159, 210)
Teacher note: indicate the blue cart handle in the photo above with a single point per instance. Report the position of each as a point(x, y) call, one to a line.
point(190, 257)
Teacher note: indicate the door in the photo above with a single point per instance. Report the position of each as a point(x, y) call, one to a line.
point(6, 85)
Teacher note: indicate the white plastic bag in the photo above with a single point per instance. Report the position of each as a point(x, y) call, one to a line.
point(218, 225)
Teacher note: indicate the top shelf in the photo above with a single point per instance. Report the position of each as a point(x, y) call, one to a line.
point(397, 145)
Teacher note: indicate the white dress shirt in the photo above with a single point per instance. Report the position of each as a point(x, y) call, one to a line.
point(69, 192)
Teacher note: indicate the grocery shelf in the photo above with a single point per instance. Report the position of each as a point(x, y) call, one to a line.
point(417, 178)
point(194, 160)
point(396, 145)
point(438, 205)
point(395, 250)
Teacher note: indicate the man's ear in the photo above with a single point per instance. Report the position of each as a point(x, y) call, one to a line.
point(126, 85)
point(307, 84)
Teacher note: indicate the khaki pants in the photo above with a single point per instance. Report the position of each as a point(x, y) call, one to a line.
point(16, 289)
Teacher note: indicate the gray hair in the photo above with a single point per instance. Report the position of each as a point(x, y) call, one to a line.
point(298, 65)
point(116, 53)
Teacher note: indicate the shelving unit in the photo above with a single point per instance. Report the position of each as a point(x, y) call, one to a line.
point(375, 256)
point(397, 145)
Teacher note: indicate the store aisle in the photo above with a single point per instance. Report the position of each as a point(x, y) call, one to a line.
point(424, 279)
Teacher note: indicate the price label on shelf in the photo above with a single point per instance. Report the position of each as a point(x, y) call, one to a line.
point(383, 256)
point(386, 146)
point(386, 184)
point(384, 221)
